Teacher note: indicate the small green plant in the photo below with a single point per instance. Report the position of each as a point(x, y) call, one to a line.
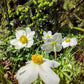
point(4, 77)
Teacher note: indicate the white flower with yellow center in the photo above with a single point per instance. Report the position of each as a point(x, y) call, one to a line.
point(38, 67)
point(69, 42)
point(47, 35)
point(53, 43)
point(24, 38)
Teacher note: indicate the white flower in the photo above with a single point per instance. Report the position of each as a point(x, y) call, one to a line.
point(38, 67)
point(47, 35)
point(24, 38)
point(11, 24)
point(69, 42)
point(53, 43)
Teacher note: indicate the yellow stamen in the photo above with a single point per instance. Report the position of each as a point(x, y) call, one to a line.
point(23, 39)
point(54, 42)
point(67, 40)
point(47, 36)
point(38, 59)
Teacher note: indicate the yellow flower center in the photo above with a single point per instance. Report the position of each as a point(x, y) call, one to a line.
point(47, 36)
point(23, 39)
point(54, 42)
point(38, 59)
point(67, 40)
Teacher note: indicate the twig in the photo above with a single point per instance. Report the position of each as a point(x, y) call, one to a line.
point(71, 10)
point(7, 16)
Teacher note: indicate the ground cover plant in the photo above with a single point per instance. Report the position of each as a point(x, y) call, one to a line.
point(42, 42)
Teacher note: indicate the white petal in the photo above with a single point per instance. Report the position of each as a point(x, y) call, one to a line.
point(50, 40)
point(57, 37)
point(31, 34)
point(50, 63)
point(44, 33)
point(20, 33)
point(30, 43)
point(27, 74)
point(48, 76)
point(47, 47)
point(14, 42)
point(58, 47)
point(49, 33)
point(55, 64)
point(65, 44)
point(44, 37)
point(19, 45)
point(73, 42)
point(28, 30)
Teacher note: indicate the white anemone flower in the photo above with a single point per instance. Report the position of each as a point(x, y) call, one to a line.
point(69, 42)
point(47, 35)
point(24, 38)
point(38, 67)
point(53, 43)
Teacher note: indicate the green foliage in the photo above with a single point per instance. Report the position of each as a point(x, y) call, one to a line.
point(47, 15)
point(38, 81)
point(68, 4)
point(4, 77)
point(68, 69)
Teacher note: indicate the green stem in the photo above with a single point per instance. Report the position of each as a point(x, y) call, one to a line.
point(55, 52)
point(37, 42)
point(80, 29)
point(7, 17)
point(55, 55)
point(14, 68)
point(67, 75)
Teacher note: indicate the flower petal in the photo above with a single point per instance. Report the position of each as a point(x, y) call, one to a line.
point(30, 43)
point(50, 63)
point(31, 34)
point(48, 76)
point(65, 44)
point(27, 74)
point(19, 33)
point(14, 42)
point(49, 33)
point(50, 40)
point(58, 47)
point(28, 30)
point(57, 37)
point(19, 45)
point(47, 47)
point(73, 42)
point(44, 33)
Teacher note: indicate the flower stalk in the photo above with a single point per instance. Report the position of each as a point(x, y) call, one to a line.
point(55, 53)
